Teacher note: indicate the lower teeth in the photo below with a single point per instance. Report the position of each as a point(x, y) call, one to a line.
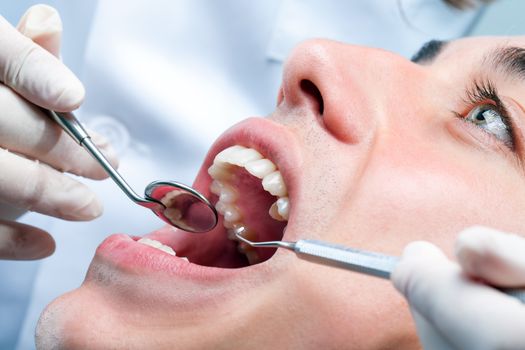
point(158, 245)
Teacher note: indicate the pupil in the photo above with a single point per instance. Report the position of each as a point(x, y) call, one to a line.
point(480, 117)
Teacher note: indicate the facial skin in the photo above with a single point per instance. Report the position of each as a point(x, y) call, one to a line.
point(385, 161)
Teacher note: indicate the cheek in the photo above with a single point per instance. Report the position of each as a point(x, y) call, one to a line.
point(341, 306)
point(430, 199)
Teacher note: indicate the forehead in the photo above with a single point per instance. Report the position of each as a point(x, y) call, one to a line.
point(478, 47)
point(500, 58)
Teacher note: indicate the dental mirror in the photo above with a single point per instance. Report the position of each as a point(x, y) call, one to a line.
point(175, 203)
point(184, 207)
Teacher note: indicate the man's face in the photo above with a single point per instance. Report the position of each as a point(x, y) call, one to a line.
point(375, 151)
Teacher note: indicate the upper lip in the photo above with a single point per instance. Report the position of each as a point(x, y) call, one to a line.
point(272, 140)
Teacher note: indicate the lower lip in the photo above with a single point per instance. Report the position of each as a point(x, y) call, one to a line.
point(129, 256)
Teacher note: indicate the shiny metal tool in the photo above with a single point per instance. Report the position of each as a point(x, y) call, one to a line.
point(175, 203)
point(362, 261)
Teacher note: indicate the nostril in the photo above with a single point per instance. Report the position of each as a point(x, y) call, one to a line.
point(313, 94)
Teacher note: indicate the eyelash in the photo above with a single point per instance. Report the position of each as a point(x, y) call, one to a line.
point(484, 92)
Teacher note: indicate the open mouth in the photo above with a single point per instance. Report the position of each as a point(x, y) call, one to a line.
point(248, 190)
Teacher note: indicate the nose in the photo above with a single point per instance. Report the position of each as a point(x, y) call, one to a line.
point(350, 88)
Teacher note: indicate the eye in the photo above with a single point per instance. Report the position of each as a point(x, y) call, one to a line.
point(491, 120)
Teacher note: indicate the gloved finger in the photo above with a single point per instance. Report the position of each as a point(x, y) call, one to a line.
point(38, 187)
point(8, 212)
point(42, 24)
point(35, 73)
point(496, 257)
point(24, 242)
point(469, 314)
point(26, 130)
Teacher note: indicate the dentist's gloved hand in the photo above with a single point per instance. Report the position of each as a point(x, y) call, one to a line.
point(452, 307)
point(34, 152)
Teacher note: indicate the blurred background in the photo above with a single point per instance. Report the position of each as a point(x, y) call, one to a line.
point(148, 75)
point(502, 17)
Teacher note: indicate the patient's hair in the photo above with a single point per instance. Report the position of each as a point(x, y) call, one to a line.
point(464, 4)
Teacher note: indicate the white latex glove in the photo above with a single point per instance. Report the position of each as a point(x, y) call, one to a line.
point(452, 307)
point(34, 152)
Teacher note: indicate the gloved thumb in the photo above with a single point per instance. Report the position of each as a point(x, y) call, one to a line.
point(42, 24)
point(496, 257)
point(420, 261)
point(24, 242)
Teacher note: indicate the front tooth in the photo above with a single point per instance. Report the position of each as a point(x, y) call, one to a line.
point(283, 207)
point(151, 242)
point(243, 156)
point(156, 244)
point(167, 249)
point(274, 184)
point(220, 171)
point(224, 155)
point(260, 168)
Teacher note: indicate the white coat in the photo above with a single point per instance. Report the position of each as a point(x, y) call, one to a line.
point(164, 78)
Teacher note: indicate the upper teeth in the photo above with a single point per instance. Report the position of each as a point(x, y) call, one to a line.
point(156, 244)
point(256, 165)
point(273, 183)
point(260, 168)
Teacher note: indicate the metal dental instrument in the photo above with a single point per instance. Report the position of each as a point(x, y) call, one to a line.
point(362, 261)
point(175, 203)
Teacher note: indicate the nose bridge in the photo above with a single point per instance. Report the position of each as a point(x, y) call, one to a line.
point(360, 87)
point(395, 88)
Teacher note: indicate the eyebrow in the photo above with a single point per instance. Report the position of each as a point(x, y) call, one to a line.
point(429, 51)
point(509, 59)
